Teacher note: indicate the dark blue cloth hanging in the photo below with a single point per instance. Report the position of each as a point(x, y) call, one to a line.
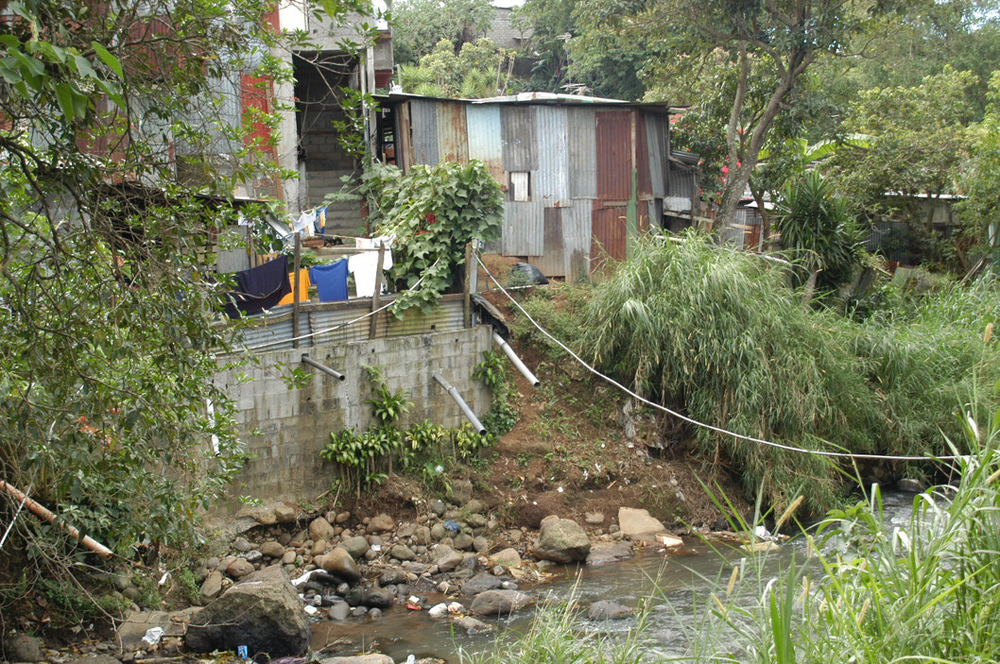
point(259, 288)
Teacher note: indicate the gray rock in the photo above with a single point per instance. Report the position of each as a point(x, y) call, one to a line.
point(474, 506)
point(358, 659)
point(606, 552)
point(422, 536)
point(506, 558)
point(911, 485)
point(402, 552)
point(499, 602)
point(242, 545)
point(446, 558)
point(289, 557)
point(356, 546)
point(284, 514)
point(472, 626)
point(439, 532)
point(481, 583)
point(608, 610)
point(414, 567)
point(480, 544)
point(211, 587)
point(239, 568)
point(340, 563)
point(392, 577)
point(339, 611)
point(406, 530)
point(342, 518)
point(376, 598)
point(463, 542)
point(253, 556)
point(23, 648)
point(375, 614)
point(476, 520)
point(263, 612)
point(359, 611)
point(638, 525)
point(561, 541)
point(383, 523)
point(515, 535)
point(594, 518)
point(461, 491)
point(272, 549)
point(437, 506)
point(93, 659)
point(320, 529)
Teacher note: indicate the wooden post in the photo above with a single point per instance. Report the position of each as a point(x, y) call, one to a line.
point(373, 328)
point(295, 291)
point(466, 288)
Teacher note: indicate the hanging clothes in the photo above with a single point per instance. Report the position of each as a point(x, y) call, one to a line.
point(259, 288)
point(303, 287)
point(364, 266)
point(330, 280)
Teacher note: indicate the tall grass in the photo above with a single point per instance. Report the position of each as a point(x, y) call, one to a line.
point(720, 335)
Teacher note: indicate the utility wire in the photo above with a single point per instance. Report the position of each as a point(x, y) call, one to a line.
point(759, 441)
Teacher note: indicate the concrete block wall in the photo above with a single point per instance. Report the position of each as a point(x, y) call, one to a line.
point(294, 424)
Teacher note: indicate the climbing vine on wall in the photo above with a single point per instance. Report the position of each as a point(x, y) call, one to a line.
point(434, 211)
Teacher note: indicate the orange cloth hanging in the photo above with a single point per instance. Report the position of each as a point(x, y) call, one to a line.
point(303, 288)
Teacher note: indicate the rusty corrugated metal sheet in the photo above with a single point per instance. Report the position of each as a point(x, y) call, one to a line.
point(582, 125)
point(552, 183)
point(485, 144)
point(610, 236)
point(520, 138)
point(424, 130)
point(523, 228)
point(577, 238)
point(552, 262)
point(452, 136)
point(657, 127)
point(614, 155)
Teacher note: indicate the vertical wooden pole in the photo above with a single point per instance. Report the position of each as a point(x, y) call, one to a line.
point(467, 288)
point(373, 326)
point(295, 291)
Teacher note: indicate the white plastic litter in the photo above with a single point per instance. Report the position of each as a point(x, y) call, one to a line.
point(302, 579)
point(455, 607)
point(438, 610)
point(153, 636)
point(311, 610)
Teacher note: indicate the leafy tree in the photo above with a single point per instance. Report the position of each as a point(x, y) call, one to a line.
point(981, 180)
point(108, 331)
point(420, 25)
point(480, 69)
point(918, 145)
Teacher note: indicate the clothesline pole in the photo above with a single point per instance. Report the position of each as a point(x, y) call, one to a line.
point(373, 325)
point(295, 291)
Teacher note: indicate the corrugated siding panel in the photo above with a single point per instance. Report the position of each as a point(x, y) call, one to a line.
point(423, 120)
point(614, 159)
point(236, 258)
point(610, 236)
point(644, 187)
point(552, 183)
point(582, 154)
point(552, 262)
point(276, 330)
point(519, 133)
point(452, 134)
point(523, 228)
point(656, 146)
point(485, 144)
point(680, 188)
point(577, 239)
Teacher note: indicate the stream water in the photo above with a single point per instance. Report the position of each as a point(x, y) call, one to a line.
point(676, 583)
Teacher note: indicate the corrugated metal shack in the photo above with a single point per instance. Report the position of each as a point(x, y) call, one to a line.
point(582, 175)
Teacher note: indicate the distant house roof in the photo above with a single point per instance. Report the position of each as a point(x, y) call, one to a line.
point(551, 98)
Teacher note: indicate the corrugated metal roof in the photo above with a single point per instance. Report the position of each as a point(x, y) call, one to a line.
point(523, 228)
point(520, 138)
point(452, 135)
point(552, 183)
point(423, 121)
point(582, 142)
point(614, 155)
point(483, 128)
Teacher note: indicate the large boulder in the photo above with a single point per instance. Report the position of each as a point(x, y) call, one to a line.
point(481, 583)
point(499, 602)
point(341, 564)
point(446, 558)
point(606, 552)
point(608, 610)
point(638, 524)
point(383, 523)
point(561, 541)
point(357, 546)
point(262, 612)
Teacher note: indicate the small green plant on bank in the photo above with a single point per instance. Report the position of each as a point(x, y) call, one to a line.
point(367, 458)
